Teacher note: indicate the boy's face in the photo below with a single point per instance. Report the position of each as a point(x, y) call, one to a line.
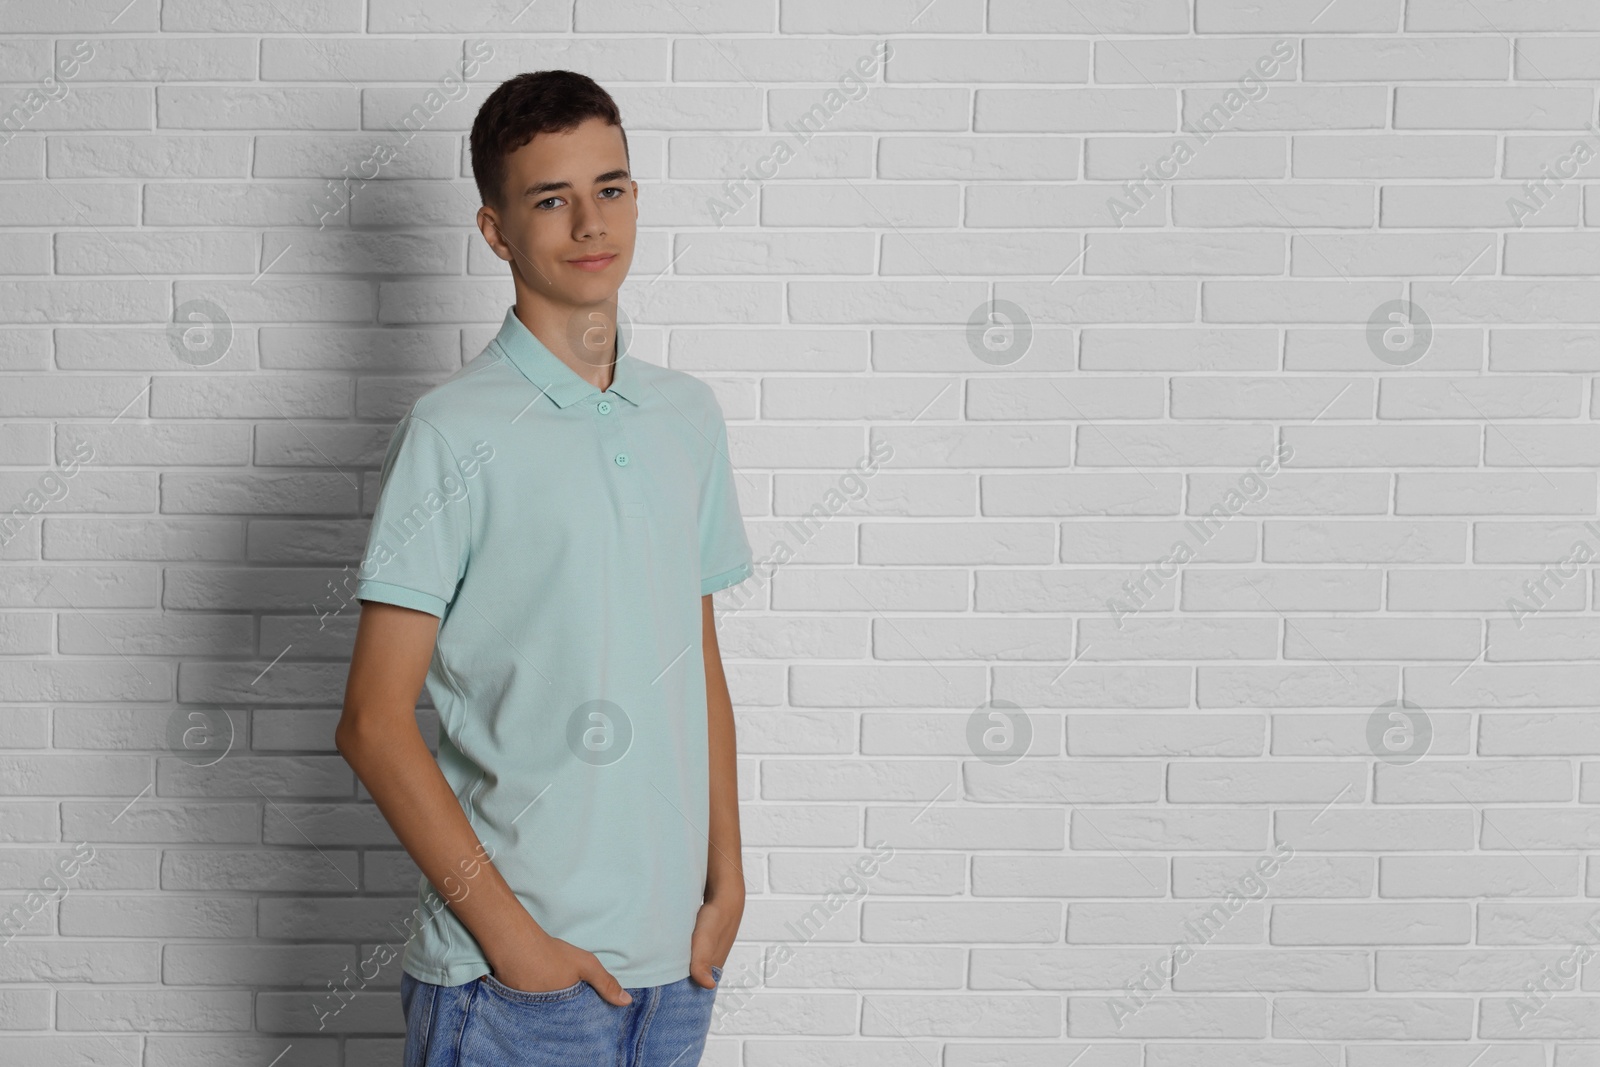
point(570, 216)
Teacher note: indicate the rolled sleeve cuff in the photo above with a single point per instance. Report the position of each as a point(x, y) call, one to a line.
point(415, 599)
point(725, 579)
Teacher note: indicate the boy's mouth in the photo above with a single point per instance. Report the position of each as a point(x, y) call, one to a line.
point(593, 263)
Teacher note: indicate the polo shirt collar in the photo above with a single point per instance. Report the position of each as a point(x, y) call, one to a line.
point(554, 378)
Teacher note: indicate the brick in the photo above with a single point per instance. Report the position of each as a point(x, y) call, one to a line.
point(1406, 59)
point(971, 61)
point(1394, 155)
point(1500, 16)
point(1296, 16)
point(1273, 205)
point(1474, 108)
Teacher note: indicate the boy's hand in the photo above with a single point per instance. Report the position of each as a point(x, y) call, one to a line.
point(715, 927)
point(555, 964)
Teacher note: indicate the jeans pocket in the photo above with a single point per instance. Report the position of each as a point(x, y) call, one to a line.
point(545, 1028)
point(525, 996)
point(419, 1001)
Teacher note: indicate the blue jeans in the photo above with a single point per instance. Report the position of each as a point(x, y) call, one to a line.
point(486, 1023)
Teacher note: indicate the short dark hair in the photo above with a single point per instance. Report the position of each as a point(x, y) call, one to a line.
point(540, 101)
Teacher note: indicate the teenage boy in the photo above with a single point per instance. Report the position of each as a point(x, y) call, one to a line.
point(552, 521)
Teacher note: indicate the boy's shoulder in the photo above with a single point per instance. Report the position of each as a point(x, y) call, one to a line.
point(676, 385)
point(488, 389)
point(461, 403)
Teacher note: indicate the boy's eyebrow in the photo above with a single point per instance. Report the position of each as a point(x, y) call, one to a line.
point(550, 187)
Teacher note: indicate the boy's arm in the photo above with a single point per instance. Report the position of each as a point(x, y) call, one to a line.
point(378, 737)
point(718, 922)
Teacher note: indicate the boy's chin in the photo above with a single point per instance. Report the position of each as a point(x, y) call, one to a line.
point(598, 291)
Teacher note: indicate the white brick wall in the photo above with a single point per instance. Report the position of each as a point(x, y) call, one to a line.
point(186, 521)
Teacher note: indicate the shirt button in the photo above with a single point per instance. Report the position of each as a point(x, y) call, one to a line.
point(622, 459)
point(604, 407)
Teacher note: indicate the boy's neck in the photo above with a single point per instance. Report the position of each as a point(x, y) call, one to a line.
point(584, 338)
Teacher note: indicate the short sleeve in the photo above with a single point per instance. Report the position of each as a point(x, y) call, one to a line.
point(422, 526)
point(725, 557)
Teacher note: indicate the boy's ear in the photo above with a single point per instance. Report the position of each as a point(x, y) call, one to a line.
point(489, 226)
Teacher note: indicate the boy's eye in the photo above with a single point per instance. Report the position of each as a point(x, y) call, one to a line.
point(549, 202)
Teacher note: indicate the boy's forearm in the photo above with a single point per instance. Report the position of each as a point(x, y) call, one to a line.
point(724, 866)
point(412, 793)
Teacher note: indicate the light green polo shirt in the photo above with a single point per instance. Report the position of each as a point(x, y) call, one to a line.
point(564, 535)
